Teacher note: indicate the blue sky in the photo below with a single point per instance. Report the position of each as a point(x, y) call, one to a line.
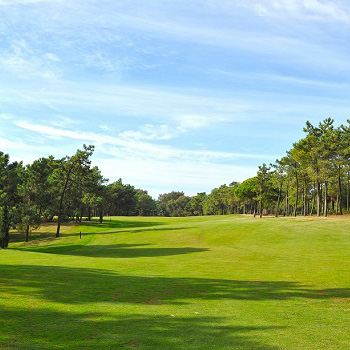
point(174, 94)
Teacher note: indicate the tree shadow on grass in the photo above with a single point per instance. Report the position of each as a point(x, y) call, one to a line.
point(110, 224)
point(113, 250)
point(46, 329)
point(131, 230)
point(105, 227)
point(80, 286)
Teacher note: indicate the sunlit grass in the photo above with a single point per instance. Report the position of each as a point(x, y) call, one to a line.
point(230, 282)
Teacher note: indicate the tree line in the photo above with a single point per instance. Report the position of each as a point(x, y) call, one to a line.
point(313, 178)
point(62, 190)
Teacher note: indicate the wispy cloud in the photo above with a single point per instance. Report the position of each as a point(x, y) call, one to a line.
point(194, 121)
point(129, 145)
point(263, 78)
point(62, 121)
point(6, 116)
point(138, 100)
point(181, 125)
point(324, 10)
point(103, 62)
point(26, 63)
point(26, 2)
point(163, 167)
point(160, 176)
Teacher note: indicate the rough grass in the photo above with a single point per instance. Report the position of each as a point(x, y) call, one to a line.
point(229, 282)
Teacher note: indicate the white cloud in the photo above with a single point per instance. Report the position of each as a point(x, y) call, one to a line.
point(52, 57)
point(278, 45)
point(142, 101)
point(20, 150)
point(104, 62)
point(8, 144)
point(150, 132)
point(156, 167)
point(62, 121)
point(144, 171)
point(195, 121)
point(163, 176)
point(281, 78)
point(121, 146)
point(6, 116)
point(302, 9)
point(181, 125)
point(25, 2)
point(26, 63)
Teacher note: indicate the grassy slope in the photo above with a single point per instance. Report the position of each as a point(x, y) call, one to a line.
point(192, 283)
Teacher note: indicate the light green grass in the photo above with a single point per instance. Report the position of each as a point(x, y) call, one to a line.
point(228, 282)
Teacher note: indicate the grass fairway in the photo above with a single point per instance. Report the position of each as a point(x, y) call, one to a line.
point(228, 282)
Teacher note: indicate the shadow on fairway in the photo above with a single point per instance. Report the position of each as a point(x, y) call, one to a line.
point(119, 226)
point(114, 250)
point(88, 285)
point(90, 330)
point(131, 230)
point(110, 224)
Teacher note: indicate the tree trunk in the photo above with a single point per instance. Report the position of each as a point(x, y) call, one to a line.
point(286, 204)
point(340, 199)
point(278, 199)
point(335, 206)
point(319, 198)
point(325, 209)
point(81, 215)
point(296, 193)
point(313, 200)
point(5, 236)
point(27, 233)
point(348, 192)
point(101, 216)
point(305, 197)
point(60, 210)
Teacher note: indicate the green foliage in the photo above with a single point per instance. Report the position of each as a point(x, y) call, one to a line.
point(174, 204)
point(10, 179)
point(197, 204)
point(123, 198)
point(145, 204)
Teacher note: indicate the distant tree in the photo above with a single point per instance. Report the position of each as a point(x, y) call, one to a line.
point(278, 176)
point(263, 177)
point(145, 204)
point(70, 172)
point(197, 204)
point(174, 204)
point(219, 200)
point(123, 198)
point(165, 202)
point(10, 179)
point(92, 192)
point(247, 193)
point(36, 195)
